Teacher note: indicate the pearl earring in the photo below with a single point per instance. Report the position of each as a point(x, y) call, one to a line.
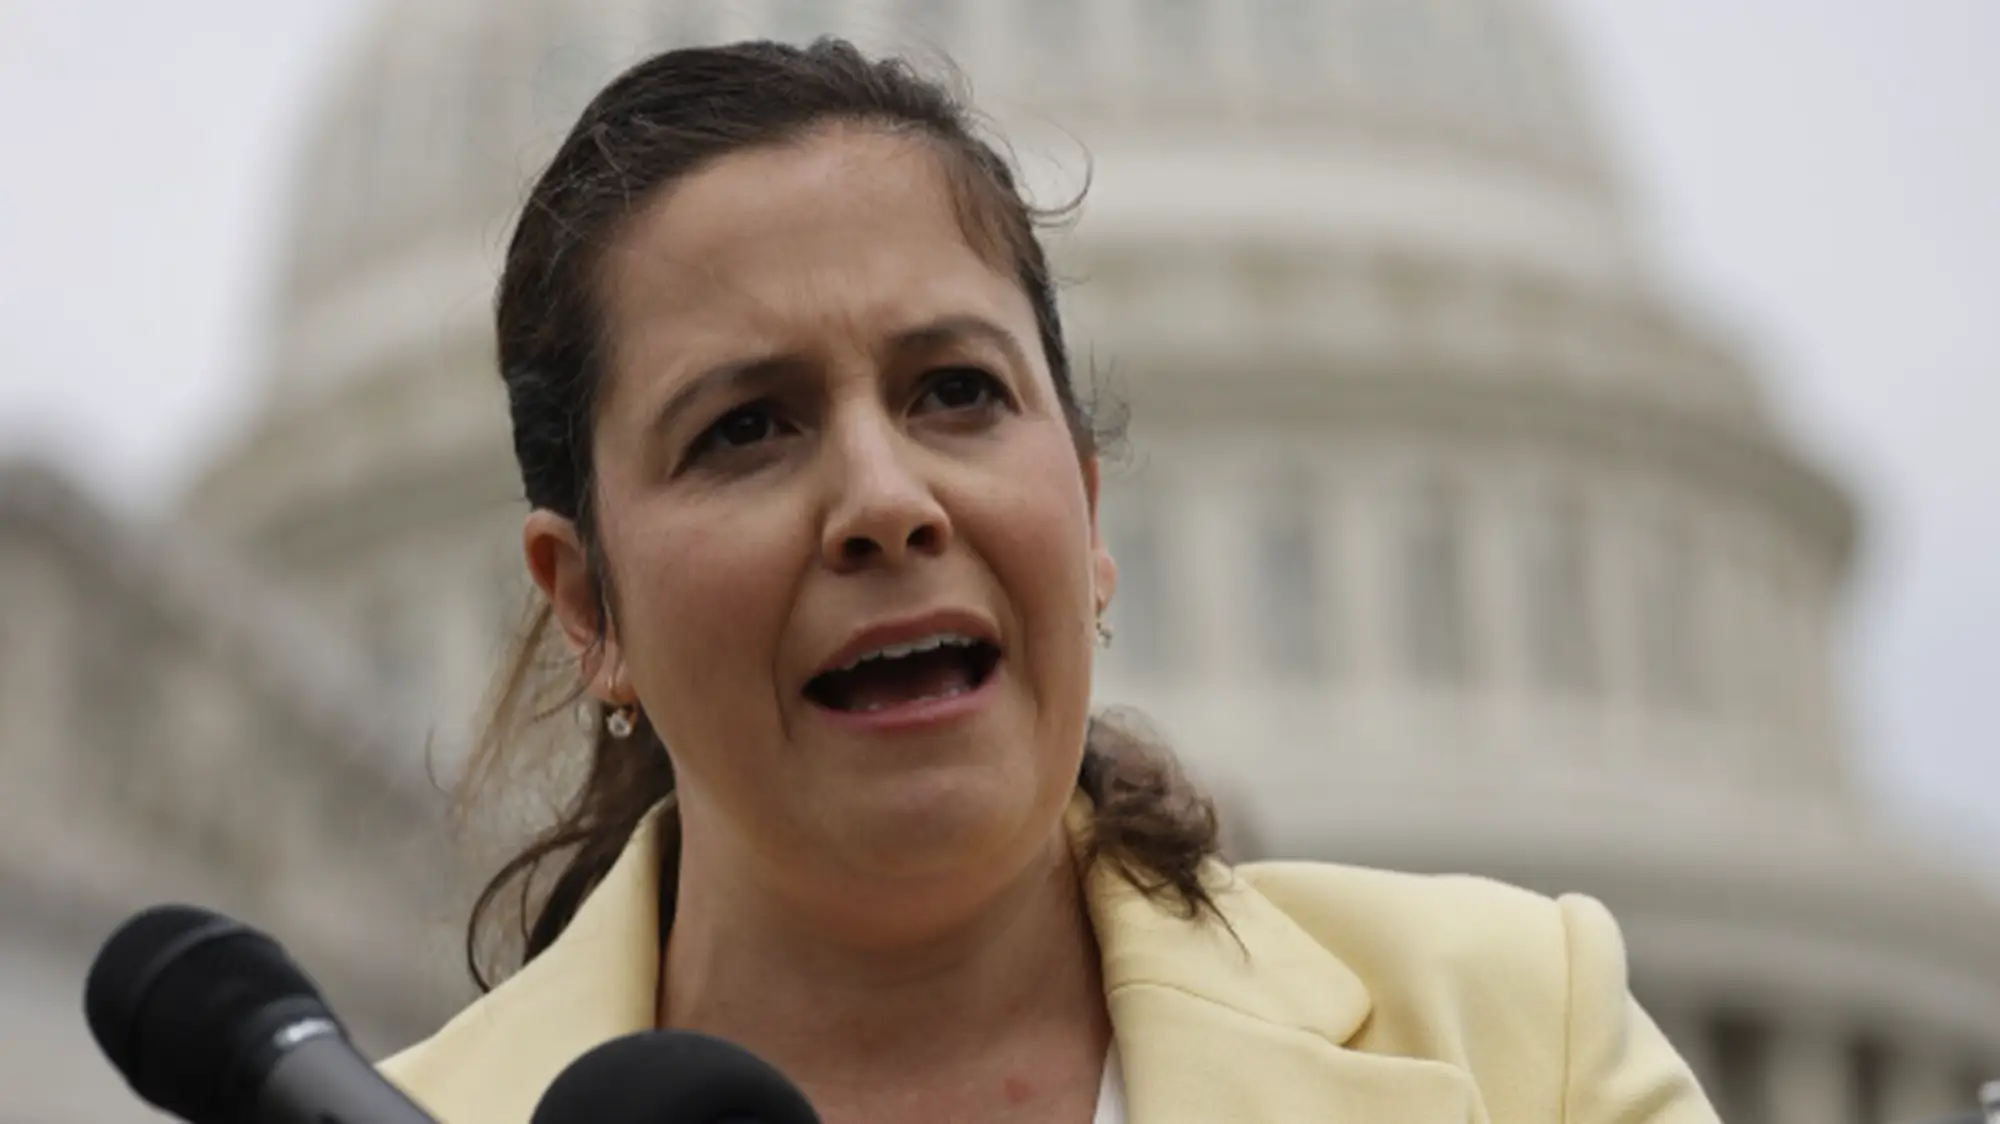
point(618, 722)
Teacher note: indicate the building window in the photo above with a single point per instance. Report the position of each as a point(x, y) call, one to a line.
point(932, 19)
point(1391, 36)
point(573, 68)
point(1972, 1080)
point(1288, 590)
point(1288, 31)
point(1562, 648)
point(1780, 651)
point(679, 25)
point(1435, 630)
point(799, 22)
point(513, 601)
point(114, 697)
point(1670, 623)
point(1180, 38)
point(1139, 611)
point(1868, 1077)
point(395, 642)
point(1740, 1048)
point(1052, 36)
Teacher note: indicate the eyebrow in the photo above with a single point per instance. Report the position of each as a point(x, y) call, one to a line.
point(763, 370)
point(948, 330)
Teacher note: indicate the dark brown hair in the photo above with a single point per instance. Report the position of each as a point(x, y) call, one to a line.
point(654, 125)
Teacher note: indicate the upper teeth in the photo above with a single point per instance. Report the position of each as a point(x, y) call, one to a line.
point(897, 651)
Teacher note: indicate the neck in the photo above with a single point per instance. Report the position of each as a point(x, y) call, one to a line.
point(1014, 977)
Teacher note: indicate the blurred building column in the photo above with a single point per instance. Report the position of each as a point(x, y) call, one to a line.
point(1920, 1086)
point(1495, 633)
point(1366, 515)
point(1686, 1027)
point(1808, 1076)
point(1204, 530)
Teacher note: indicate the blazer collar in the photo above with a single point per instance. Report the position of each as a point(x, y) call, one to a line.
point(1180, 994)
point(1251, 961)
point(1243, 1018)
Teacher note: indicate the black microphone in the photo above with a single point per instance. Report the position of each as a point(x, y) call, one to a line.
point(208, 1019)
point(672, 1077)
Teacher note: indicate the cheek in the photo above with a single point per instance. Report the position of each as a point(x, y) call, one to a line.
point(705, 598)
point(1038, 539)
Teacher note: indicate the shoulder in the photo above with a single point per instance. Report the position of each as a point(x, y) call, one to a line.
point(1466, 956)
point(1530, 994)
point(1330, 888)
point(1383, 916)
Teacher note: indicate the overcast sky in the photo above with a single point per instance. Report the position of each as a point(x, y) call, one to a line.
point(1822, 175)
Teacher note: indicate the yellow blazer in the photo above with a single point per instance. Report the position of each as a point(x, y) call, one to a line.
point(1355, 996)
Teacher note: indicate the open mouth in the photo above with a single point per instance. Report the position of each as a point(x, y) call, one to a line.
point(901, 676)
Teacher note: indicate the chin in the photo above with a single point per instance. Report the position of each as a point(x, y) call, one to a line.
point(941, 821)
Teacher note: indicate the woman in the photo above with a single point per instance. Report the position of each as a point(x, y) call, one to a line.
point(815, 510)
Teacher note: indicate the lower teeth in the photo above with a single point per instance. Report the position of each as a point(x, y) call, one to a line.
point(952, 693)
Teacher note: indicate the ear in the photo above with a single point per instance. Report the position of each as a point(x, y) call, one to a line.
point(561, 569)
point(1103, 568)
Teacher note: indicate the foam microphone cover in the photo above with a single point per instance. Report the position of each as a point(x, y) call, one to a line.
point(180, 999)
point(672, 1077)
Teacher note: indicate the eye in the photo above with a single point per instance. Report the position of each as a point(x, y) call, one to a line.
point(962, 388)
point(740, 428)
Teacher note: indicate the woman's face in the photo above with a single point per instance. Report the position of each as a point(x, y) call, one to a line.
point(828, 434)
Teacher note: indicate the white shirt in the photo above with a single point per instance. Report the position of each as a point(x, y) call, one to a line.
point(1111, 1091)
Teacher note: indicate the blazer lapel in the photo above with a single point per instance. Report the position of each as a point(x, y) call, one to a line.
point(1249, 1021)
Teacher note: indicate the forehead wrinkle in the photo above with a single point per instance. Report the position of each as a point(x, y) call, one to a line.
point(775, 198)
point(647, 296)
point(869, 300)
point(684, 275)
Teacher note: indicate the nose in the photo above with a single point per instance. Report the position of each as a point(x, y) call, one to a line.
point(883, 508)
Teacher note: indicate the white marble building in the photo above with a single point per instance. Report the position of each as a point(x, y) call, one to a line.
point(1448, 541)
point(173, 728)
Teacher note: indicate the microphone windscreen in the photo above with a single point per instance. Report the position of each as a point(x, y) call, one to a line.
point(672, 1077)
point(178, 997)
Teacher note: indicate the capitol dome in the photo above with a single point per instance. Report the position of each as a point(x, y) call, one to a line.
point(1448, 542)
point(444, 98)
point(1284, 169)
point(1412, 130)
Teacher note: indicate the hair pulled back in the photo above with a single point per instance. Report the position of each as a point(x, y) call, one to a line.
point(663, 119)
